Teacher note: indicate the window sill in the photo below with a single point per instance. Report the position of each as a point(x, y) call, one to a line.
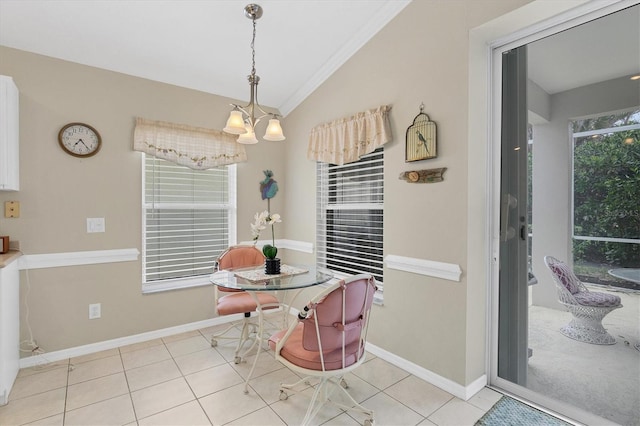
point(177, 284)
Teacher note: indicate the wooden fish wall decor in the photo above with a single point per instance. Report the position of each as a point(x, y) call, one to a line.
point(423, 176)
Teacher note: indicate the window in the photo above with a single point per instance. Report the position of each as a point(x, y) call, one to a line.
point(350, 216)
point(188, 220)
point(606, 189)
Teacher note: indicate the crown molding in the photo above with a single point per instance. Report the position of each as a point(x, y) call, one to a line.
point(382, 18)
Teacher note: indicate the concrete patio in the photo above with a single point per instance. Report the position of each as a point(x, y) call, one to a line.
point(601, 379)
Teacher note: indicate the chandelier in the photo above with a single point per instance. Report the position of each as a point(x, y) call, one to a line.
point(242, 120)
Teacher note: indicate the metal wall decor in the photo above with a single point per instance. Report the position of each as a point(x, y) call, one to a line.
point(421, 138)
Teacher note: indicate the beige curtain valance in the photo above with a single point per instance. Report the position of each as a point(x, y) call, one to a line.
point(346, 140)
point(195, 147)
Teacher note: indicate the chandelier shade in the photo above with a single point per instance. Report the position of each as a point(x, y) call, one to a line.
point(249, 137)
point(235, 123)
point(274, 131)
point(242, 120)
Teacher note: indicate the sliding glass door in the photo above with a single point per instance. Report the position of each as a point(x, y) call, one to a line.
point(512, 326)
point(574, 94)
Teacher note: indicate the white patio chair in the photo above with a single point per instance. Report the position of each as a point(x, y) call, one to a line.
point(587, 307)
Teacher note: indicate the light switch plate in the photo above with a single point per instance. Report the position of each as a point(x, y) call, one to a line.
point(95, 310)
point(95, 224)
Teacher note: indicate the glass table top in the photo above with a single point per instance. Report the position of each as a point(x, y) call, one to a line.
point(254, 278)
point(629, 274)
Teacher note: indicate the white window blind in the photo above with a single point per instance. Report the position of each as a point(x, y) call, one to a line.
point(189, 216)
point(350, 216)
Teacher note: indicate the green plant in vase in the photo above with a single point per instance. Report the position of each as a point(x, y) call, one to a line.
point(270, 251)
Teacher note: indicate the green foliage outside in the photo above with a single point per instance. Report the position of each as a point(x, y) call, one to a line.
point(607, 197)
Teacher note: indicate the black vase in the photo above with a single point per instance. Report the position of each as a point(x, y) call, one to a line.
point(272, 266)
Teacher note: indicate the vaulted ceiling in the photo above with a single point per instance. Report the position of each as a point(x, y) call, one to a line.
point(202, 45)
point(205, 45)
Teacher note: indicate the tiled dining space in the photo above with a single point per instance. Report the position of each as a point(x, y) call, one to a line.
point(182, 380)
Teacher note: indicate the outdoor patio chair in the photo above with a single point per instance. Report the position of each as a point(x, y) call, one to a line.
point(587, 307)
point(229, 302)
point(327, 342)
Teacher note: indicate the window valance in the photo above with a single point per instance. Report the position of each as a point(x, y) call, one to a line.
point(346, 140)
point(195, 147)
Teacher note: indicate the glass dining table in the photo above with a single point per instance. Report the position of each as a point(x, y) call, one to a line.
point(291, 280)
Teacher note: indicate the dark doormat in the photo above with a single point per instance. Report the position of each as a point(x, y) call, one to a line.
point(509, 412)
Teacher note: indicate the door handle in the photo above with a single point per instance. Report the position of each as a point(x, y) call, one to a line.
point(507, 232)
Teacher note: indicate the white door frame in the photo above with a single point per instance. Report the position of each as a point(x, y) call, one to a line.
point(533, 21)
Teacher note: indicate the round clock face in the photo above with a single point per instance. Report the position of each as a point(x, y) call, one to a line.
point(79, 139)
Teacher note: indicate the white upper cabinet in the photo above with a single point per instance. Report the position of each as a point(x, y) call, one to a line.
point(9, 140)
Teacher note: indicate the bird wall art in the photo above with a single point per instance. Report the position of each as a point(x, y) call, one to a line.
point(421, 138)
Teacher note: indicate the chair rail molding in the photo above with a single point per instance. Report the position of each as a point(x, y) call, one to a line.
point(54, 260)
point(447, 271)
point(302, 246)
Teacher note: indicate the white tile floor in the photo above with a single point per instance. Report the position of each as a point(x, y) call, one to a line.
point(182, 380)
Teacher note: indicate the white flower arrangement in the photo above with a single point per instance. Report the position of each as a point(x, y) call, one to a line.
point(260, 222)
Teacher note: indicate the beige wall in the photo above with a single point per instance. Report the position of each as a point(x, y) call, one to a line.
point(58, 192)
point(420, 56)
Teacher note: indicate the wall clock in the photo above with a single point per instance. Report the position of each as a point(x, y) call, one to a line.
point(79, 140)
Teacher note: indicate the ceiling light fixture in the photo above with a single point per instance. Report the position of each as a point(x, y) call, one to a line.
point(635, 77)
point(242, 120)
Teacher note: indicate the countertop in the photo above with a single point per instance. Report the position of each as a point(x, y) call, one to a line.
point(9, 257)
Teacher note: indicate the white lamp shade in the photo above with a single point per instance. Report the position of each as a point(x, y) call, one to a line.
point(274, 131)
point(235, 123)
point(248, 138)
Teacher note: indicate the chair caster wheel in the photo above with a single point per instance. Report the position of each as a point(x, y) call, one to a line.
point(368, 422)
point(344, 384)
point(214, 342)
point(283, 396)
point(237, 360)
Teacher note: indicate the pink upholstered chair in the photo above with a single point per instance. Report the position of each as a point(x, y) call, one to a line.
point(587, 307)
point(229, 302)
point(328, 341)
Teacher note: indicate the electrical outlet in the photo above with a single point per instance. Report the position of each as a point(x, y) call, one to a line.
point(95, 310)
point(12, 209)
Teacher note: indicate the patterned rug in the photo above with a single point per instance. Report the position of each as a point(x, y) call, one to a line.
point(509, 412)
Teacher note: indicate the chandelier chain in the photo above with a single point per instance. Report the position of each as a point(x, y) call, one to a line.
point(253, 49)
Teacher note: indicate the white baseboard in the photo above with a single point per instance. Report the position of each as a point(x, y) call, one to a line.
point(462, 392)
point(455, 389)
point(122, 341)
